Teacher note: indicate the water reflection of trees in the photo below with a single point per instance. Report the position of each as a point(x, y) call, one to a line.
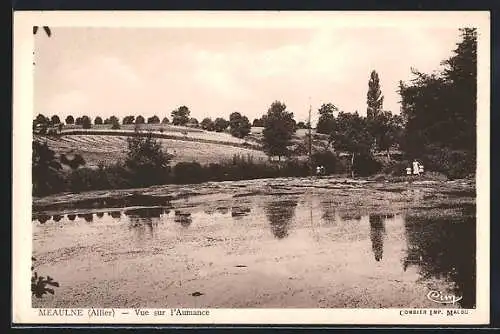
point(57, 218)
point(144, 220)
point(184, 218)
point(280, 213)
point(42, 219)
point(328, 209)
point(115, 214)
point(154, 212)
point(89, 217)
point(444, 248)
point(377, 234)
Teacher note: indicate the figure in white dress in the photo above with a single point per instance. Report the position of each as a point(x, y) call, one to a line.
point(416, 168)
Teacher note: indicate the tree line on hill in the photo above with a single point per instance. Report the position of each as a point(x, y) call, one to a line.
point(437, 125)
point(238, 125)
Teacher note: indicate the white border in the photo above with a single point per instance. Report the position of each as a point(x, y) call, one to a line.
point(22, 113)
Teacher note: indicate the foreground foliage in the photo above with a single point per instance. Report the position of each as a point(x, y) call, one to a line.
point(40, 284)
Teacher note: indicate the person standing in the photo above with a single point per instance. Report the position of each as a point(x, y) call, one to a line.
point(421, 168)
point(416, 169)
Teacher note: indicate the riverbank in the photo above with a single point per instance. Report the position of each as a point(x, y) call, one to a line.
point(165, 194)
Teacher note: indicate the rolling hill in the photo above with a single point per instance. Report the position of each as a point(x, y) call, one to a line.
point(108, 149)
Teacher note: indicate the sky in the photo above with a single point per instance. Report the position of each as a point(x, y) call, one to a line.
point(217, 71)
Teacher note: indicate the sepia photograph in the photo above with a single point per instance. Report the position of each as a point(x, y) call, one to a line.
point(257, 165)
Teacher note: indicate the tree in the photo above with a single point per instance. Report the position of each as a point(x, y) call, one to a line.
point(278, 130)
point(128, 120)
point(461, 72)
point(207, 124)
point(45, 28)
point(180, 116)
point(139, 120)
point(55, 120)
point(39, 283)
point(374, 97)
point(41, 119)
point(86, 123)
point(47, 31)
point(165, 120)
point(439, 110)
point(153, 120)
point(239, 126)
point(113, 120)
point(386, 128)
point(258, 122)
point(146, 160)
point(78, 121)
point(70, 120)
point(326, 121)
point(301, 125)
point(45, 169)
point(220, 124)
point(41, 123)
point(351, 135)
point(193, 122)
point(98, 120)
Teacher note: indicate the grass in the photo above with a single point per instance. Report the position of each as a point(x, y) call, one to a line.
point(109, 149)
point(167, 130)
point(187, 144)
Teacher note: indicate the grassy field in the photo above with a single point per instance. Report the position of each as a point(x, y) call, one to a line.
point(108, 149)
point(169, 130)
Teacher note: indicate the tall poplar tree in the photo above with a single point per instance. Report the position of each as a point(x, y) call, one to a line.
point(374, 97)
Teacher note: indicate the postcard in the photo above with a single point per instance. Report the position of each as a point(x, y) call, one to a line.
point(265, 167)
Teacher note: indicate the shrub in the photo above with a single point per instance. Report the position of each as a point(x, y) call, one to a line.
point(73, 163)
point(146, 160)
point(396, 168)
point(188, 172)
point(45, 170)
point(86, 123)
point(366, 165)
point(216, 172)
point(294, 167)
point(453, 163)
point(39, 283)
point(83, 179)
point(326, 159)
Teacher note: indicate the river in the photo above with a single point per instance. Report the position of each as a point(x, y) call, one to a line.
point(301, 243)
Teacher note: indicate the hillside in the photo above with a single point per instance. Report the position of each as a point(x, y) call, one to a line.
point(101, 144)
point(108, 149)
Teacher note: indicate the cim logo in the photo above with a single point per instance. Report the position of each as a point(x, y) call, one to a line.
point(442, 298)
